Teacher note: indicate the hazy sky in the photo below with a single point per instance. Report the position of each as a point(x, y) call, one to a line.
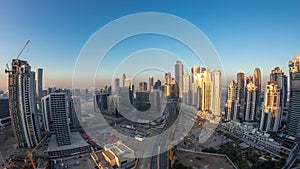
point(246, 34)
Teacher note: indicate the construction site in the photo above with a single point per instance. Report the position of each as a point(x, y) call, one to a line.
point(16, 158)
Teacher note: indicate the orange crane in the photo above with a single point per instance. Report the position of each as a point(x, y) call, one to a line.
point(30, 156)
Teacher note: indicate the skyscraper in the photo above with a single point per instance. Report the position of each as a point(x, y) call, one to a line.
point(128, 83)
point(55, 106)
point(215, 90)
point(39, 82)
point(167, 84)
point(270, 116)
point(195, 71)
point(143, 86)
point(205, 86)
point(294, 106)
point(179, 76)
point(257, 82)
point(157, 85)
point(241, 93)
point(123, 80)
point(151, 83)
point(250, 107)
point(117, 85)
point(196, 84)
point(280, 79)
point(22, 104)
point(186, 91)
point(231, 102)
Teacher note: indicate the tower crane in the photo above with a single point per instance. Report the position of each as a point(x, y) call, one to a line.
point(7, 68)
point(23, 49)
point(29, 153)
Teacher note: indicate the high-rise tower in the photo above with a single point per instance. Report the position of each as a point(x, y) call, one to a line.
point(151, 83)
point(167, 84)
point(39, 82)
point(270, 116)
point(257, 82)
point(143, 86)
point(280, 79)
point(117, 85)
point(215, 100)
point(55, 107)
point(205, 86)
point(22, 104)
point(241, 93)
point(186, 91)
point(250, 106)
point(123, 80)
point(294, 106)
point(179, 76)
point(231, 102)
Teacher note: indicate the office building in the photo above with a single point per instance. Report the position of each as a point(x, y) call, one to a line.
point(270, 117)
point(56, 107)
point(294, 105)
point(22, 104)
point(179, 76)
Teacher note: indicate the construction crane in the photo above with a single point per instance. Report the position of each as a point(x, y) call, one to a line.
point(30, 156)
point(23, 49)
point(7, 67)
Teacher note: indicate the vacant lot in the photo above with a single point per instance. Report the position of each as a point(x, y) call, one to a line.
point(196, 161)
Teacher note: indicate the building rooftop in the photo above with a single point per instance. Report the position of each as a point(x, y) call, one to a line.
point(76, 140)
point(119, 149)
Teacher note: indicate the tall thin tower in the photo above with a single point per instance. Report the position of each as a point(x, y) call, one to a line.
point(241, 93)
point(179, 76)
point(39, 82)
point(231, 112)
point(257, 82)
point(215, 90)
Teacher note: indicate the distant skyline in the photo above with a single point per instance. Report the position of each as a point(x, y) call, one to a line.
point(246, 34)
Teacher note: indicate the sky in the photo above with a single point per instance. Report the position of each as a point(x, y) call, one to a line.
point(245, 34)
